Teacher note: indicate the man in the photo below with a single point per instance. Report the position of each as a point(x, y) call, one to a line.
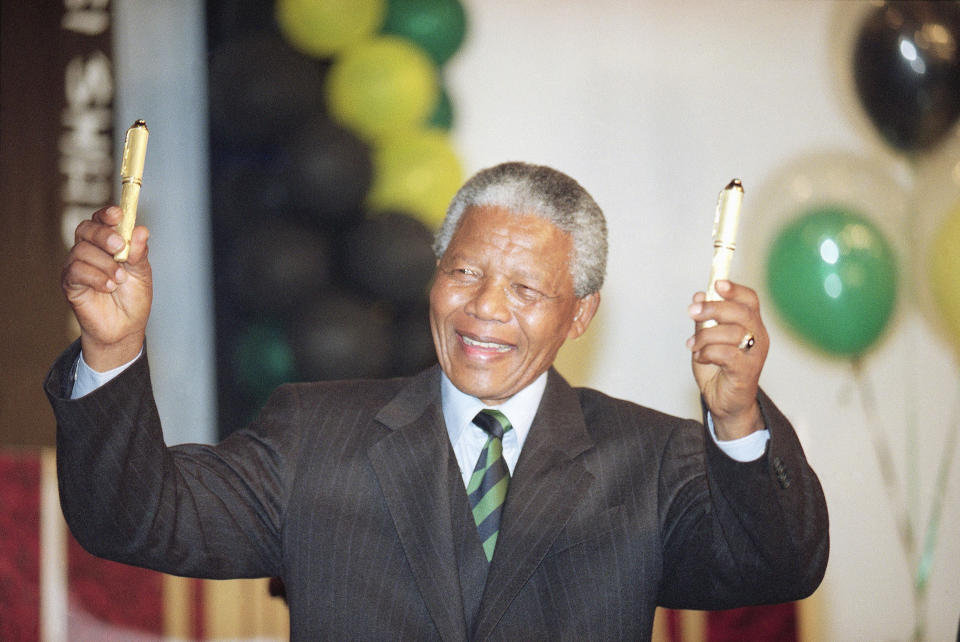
point(362, 495)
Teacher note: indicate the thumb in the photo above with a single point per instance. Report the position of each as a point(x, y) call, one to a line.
point(137, 263)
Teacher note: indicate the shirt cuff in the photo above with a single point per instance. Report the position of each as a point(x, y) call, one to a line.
point(86, 379)
point(749, 448)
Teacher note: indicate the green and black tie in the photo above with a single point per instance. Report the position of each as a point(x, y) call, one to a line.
point(487, 489)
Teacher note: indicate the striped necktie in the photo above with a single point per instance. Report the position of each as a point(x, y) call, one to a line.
point(487, 489)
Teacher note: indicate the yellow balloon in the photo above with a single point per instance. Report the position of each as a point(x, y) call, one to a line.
point(944, 262)
point(322, 28)
point(416, 173)
point(381, 85)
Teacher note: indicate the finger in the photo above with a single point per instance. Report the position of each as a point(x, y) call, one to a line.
point(720, 311)
point(99, 235)
point(138, 247)
point(718, 354)
point(110, 215)
point(727, 334)
point(86, 252)
point(726, 311)
point(742, 294)
point(79, 276)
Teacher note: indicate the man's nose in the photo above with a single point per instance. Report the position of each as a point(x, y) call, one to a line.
point(490, 302)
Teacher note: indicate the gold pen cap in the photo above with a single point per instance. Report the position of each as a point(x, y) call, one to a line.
point(727, 216)
point(134, 153)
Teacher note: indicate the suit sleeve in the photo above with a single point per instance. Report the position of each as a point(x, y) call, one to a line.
point(738, 533)
point(194, 510)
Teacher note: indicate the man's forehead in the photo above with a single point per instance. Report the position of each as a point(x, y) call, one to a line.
point(525, 213)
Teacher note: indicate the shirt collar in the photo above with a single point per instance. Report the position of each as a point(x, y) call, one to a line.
point(459, 408)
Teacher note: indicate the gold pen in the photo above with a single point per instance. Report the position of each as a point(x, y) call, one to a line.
point(131, 177)
point(724, 238)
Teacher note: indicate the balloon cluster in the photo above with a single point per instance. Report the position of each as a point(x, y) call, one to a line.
point(838, 257)
point(332, 165)
point(853, 230)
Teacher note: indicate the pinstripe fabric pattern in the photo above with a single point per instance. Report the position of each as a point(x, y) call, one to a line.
point(487, 490)
point(613, 509)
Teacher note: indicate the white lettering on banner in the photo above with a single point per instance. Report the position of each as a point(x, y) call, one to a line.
point(86, 138)
point(85, 159)
point(89, 82)
point(86, 17)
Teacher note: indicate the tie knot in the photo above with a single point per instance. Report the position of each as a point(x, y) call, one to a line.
point(493, 421)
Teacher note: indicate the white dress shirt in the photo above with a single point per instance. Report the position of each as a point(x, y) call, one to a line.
point(468, 439)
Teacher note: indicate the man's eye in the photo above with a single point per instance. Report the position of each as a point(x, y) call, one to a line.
point(463, 273)
point(527, 293)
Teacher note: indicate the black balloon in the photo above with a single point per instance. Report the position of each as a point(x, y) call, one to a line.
point(277, 266)
point(907, 71)
point(329, 172)
point(246, 190)
point(261, 90)
point(391, 257)
point(342, 337)
point(414, 344)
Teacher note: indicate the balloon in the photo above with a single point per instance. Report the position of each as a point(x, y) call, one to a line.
point(436, 25)
point(833, 277)
point(442, 116)
point(340, 336)
point(277, 266)
point(866, 184)
point(324, 27)
point(415, 350)
point(260, 90)
point(330, 171)
point(937, 190)
point(416, 172)
point(391, 257)
point(263, 359)
point(381, 85)
point(906, 67)
point(944, 270)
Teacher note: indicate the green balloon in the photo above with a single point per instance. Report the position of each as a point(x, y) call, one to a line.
point(263, 359)
point(437, 26)
point(442, 116)
point(833, 277)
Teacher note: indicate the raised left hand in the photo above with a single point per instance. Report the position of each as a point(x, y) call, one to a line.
point(726, 364)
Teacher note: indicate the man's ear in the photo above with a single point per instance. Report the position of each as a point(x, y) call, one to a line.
point(583, 315)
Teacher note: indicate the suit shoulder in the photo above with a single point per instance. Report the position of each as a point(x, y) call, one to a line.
point(363, 393)
point(599, 406)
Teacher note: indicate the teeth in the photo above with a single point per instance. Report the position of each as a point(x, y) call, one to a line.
point(499, 347)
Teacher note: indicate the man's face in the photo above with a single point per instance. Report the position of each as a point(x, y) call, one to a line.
point(502, 302)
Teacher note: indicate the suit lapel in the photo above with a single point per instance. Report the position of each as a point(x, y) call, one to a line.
point(412, 465)
point(546, 487)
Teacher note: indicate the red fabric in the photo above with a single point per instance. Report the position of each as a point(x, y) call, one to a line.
point(774, 623)
point(674, 626)
point(19, 546)
point(116, 594)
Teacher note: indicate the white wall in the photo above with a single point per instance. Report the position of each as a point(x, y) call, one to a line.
point(654, 106)
point(161, 76)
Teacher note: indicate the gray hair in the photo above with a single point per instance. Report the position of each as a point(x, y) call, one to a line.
point(522, 188)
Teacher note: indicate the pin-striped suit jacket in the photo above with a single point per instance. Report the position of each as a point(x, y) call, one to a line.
point(350, 492)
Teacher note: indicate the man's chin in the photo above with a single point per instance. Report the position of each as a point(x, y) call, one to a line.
point(479, 388)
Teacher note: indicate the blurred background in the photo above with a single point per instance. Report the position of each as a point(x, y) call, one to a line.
point(302, 153)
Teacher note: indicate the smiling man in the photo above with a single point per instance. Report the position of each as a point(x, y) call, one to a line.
point(484, 498)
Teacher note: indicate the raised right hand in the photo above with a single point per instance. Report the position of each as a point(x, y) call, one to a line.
point(110, 300)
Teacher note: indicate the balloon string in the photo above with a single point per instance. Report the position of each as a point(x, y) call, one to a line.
point(909, 231)
point(925, 563)
point(885, 461)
